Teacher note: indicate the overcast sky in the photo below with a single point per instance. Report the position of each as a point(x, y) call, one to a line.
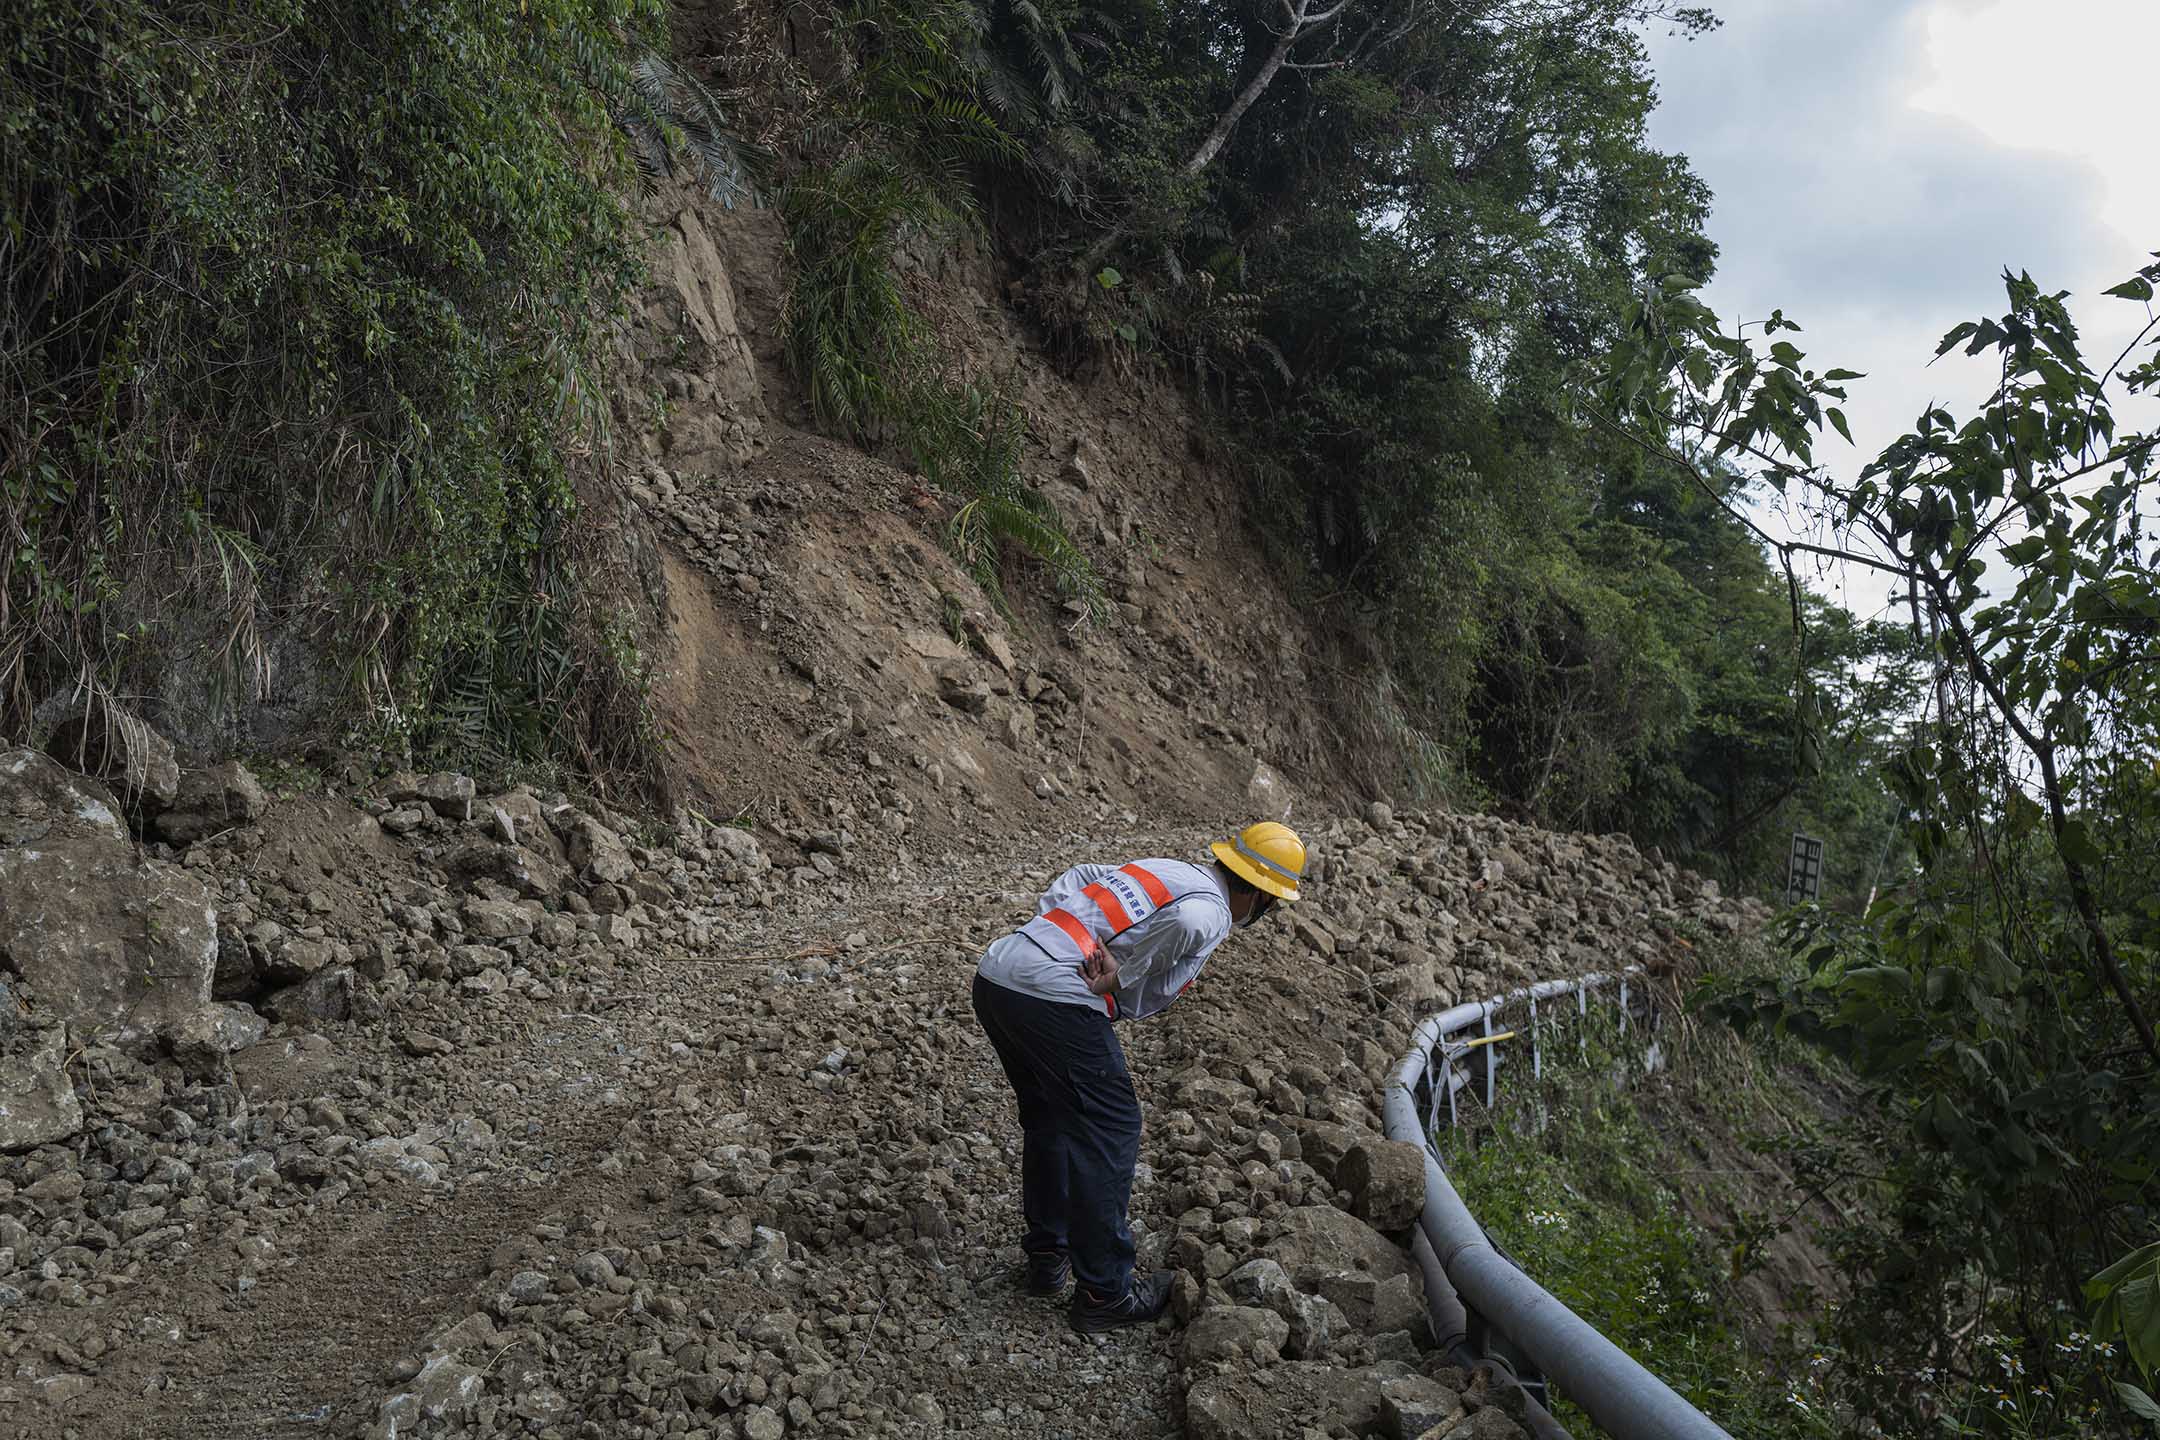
point(1877, 164)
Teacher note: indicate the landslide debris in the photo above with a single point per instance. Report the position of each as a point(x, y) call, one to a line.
point(564, 1126)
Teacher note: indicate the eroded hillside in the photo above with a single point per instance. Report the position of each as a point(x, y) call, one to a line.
point(815, 642)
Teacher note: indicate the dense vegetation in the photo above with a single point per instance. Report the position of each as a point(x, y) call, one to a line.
point(301, 348)
point(2000, 999)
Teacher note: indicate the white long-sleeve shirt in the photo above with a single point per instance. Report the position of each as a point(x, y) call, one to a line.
point(1158, 956)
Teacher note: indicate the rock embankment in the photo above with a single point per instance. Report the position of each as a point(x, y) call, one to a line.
point(427, 1111)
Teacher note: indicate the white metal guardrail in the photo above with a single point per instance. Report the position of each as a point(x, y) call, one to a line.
point(1450, 1052)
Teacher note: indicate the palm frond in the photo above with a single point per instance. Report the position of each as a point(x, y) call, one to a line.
point(969, 443)
point(665, 111)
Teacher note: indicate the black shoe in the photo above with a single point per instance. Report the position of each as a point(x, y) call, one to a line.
point(1144, 1300)
point(1047, 1272)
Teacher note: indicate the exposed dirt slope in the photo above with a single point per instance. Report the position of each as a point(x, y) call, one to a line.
point(814, 641)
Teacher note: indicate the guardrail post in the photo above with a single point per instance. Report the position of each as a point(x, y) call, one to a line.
point(1447, 1083)
point(1501, 1307)
point(1489, 1059)
point(1537, 1051)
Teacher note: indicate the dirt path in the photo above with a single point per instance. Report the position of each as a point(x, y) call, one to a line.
point(754, 1173)
point(866, 1246)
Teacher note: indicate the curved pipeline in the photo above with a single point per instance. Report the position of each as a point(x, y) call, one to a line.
point(1624, 1398)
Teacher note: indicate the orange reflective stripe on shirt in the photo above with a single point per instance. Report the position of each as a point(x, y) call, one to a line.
point(1066, 921)
point(1112, 911)
point(1115, 915)
point(1157, 892)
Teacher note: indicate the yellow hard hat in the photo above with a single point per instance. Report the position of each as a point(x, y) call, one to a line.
point(1267, 855)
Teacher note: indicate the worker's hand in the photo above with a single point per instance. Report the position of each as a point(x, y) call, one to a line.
point(1100, 971)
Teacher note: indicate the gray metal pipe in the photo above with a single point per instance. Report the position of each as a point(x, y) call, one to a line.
point(1450, 1322)
point(1625, 1399)
point(1451, 1331)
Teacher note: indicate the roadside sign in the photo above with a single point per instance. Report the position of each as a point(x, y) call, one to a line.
point(1803, 878)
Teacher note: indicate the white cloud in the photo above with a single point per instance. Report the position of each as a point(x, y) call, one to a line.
point(1878, 163)
point(2069, 76)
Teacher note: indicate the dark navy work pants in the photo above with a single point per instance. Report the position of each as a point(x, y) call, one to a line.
point(1080, 1124)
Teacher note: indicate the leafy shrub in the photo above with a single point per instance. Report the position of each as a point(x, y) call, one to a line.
point(304, 326)
point(1999, 995)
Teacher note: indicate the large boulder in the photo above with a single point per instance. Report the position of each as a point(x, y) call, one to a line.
point(1323, 1144)
point(1413, 1407)
point(598, 854)
point(37, 1101)
point(114, 744)
point(528, 822)
point(1286, 1400)
point(42, 802)
point(1378, 1306)
point(447, 794)
point(119, 949)
point(1314, 1321)
point(326, 995)
point(203, 1040)
point(1323, 1240)
point(529, 872)
point(1231, 1332)
point(1386, 1181)
point(211, 801)
point(744, 856)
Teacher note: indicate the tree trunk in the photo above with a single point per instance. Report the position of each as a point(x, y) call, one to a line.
point(1220, 135)
point(1300, 21)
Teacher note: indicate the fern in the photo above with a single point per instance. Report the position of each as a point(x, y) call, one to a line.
point(664, 111)
point(895, 145)
point(849, 332)
point(969, 443)
point(1024, 62)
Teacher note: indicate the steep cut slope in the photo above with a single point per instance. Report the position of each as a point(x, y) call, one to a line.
point(815, 642)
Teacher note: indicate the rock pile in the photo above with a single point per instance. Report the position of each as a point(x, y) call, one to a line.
point(690, 1132)
point(1306, 1315)
point(103, 950)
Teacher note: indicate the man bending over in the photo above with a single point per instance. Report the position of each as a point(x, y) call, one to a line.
point(1111, 943)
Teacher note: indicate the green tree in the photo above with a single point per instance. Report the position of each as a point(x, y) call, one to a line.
point(2000, 997)
point(303, 331)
